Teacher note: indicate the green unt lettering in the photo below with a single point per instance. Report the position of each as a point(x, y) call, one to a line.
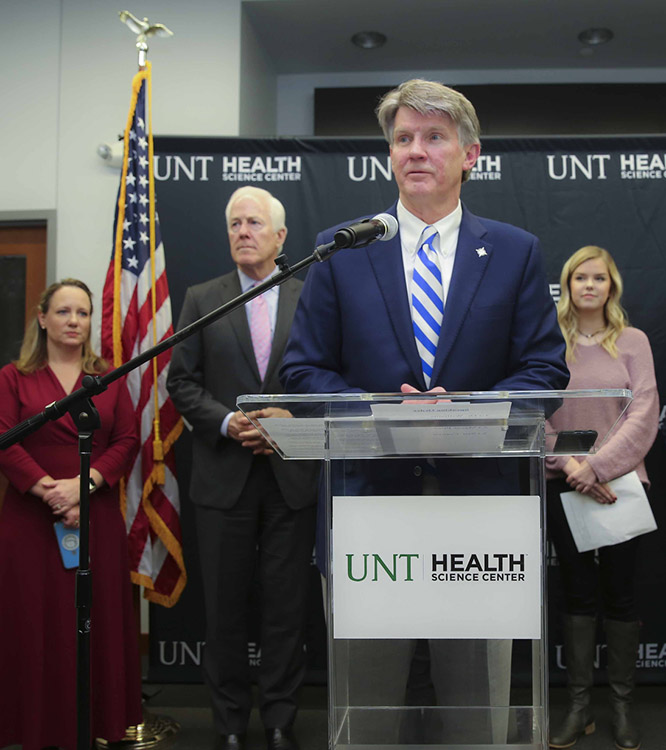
point(394, 569)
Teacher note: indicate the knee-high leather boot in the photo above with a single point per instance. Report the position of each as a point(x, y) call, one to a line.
point(622, 640)
point(579, 648)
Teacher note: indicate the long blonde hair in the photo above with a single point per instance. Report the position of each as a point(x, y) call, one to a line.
point(34, 354)
point(614, 314)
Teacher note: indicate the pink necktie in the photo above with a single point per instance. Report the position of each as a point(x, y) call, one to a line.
point(260, 331)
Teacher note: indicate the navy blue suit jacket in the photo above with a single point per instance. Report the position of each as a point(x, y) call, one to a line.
point(352, 330)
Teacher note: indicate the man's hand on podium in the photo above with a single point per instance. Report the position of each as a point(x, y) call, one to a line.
point(406, 388)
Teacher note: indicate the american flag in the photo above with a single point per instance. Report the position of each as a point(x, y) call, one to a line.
point(136, 315)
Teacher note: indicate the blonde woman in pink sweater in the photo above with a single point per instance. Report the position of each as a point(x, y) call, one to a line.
point(603, 351)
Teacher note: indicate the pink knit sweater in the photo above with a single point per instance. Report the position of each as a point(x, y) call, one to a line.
point(632, 439)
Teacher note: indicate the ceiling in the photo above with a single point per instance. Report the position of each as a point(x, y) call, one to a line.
point(313, 36)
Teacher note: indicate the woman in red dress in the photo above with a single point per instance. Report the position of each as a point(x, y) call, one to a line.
point(37, 610)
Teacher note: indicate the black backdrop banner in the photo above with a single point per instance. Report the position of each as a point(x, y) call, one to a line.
point(570, 192)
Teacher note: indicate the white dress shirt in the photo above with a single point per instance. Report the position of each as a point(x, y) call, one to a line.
point(411, 230)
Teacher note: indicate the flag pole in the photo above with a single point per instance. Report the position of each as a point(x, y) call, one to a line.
point(154, 729)
point(158, 446)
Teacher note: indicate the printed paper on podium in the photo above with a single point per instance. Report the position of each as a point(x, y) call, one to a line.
point(456, 427)
point(394, 430)
point(305, 437)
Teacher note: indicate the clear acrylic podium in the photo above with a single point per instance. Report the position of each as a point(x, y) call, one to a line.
point(433, 543)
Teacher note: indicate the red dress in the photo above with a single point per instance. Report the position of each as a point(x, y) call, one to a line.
point(37, 612)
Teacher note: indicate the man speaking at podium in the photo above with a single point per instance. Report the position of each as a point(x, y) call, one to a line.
point(453, 301)
point(479, 316)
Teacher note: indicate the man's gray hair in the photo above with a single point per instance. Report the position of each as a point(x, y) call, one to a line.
point(426, 98)
point(275, 208)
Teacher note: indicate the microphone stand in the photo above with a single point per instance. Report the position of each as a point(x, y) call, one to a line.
point(80, 405)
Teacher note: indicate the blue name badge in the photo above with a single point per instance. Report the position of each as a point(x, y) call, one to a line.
point(68, 543)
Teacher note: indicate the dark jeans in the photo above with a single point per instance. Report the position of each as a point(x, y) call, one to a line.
point(582, 580)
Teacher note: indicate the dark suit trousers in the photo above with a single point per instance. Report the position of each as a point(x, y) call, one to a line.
point(259, 535)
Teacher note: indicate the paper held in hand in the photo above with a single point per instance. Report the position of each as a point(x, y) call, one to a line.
point(594, 525)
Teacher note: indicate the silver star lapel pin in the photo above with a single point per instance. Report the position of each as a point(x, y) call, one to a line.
point(481, 251)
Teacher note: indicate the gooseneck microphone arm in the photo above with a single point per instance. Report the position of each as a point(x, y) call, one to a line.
point(95, 384)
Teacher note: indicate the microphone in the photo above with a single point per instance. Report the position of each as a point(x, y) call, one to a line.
point(383, 227)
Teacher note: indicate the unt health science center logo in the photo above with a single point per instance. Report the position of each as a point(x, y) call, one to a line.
point(233, 168)
point(409, 567)
point(645, 166)
point(374, 168)
point(261, 168)
point(487, 167)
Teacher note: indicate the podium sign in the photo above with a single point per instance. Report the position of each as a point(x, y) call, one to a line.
point(417, 567)
point(433, 536)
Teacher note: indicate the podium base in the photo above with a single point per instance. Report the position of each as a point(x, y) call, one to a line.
point(153, 731)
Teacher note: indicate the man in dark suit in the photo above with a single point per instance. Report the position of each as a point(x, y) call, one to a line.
point(453, 302)
point(354, 326)
point(254, 512)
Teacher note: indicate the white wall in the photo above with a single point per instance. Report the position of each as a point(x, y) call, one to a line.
point(29, 96)
point(258, 86)
point(66, 69)
point(195, 92)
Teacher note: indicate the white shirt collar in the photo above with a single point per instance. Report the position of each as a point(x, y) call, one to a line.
point(247, 282)
point(411, 229)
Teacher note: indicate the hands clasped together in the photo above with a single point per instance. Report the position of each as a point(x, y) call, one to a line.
point(62, 496)
point(242, 430)
point(581, 477)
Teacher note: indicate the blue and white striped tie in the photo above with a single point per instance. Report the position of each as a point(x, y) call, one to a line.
point(427, 303)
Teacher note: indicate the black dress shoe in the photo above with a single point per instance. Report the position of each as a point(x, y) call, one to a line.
point(281, 739)
point(232, 742)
